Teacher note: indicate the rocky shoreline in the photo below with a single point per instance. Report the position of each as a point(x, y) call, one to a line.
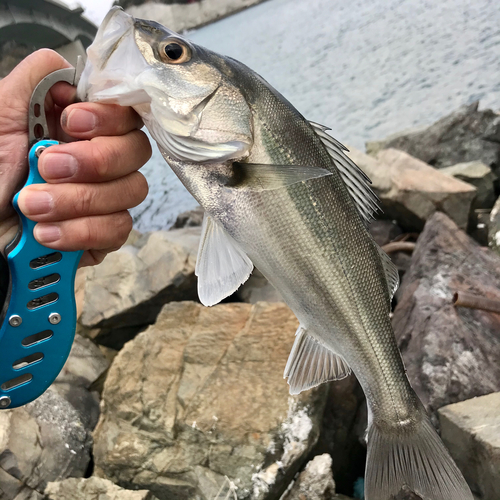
point(162, 398)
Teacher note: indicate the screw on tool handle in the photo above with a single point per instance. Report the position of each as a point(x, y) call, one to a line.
point(39, 316)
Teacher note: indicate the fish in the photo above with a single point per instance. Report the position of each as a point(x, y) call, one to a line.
point(280, 194)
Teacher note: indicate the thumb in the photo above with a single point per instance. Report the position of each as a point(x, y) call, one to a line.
point(18, 86)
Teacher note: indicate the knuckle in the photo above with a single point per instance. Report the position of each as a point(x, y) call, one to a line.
point(124, 225)
point(83, 199)
point(103, 156)
point(88, 232)
point(136, 188)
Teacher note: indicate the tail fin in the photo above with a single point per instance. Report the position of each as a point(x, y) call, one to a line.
point(416, 458)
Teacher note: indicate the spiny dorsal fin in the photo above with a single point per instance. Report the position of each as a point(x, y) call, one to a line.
point(357, 182)
point(221, 266)
point(391, 272)
point(311, 364)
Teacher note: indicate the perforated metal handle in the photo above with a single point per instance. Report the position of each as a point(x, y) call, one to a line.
point(39, 316)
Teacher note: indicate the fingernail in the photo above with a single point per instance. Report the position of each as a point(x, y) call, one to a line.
point(46, 233)
point(79, 120)
point(37, 203)
point(58, 165)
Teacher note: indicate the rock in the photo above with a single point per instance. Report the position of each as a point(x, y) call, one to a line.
point(191, 218)
point(480, 176)
point(199, 396)
point(180, 16)
point(451, 353)
point(125, 293)
point(410, 191)
point(494, 228)
point(93, 488)
point(315, 482)
point(471, 431)
point(84, 366)
point(343, 431)
point(258, 289)
point(463, 136)
point(42, 441)
point(384, 231)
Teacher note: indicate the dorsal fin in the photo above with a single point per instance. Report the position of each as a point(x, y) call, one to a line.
point(391, 272)
point(311, 363)
point(356, 181)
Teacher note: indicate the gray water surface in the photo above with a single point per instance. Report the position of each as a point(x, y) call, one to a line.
point(365, 68)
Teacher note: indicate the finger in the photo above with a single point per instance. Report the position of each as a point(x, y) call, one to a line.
point(100, 159)
point(97, 232)
point(59, 202)
point(85, 120)
point(94, 257)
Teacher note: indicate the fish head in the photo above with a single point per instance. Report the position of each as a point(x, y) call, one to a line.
point(186, 100)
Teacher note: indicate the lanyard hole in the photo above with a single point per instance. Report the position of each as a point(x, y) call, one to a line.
point(16, 382)
point(50, 298)
point(37, 338)
point(27, 360)
point(45, 260)
point(44, 281)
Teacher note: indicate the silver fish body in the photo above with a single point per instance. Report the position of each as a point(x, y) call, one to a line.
point(233, 141)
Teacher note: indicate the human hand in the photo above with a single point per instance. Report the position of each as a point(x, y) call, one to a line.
point(90, 183)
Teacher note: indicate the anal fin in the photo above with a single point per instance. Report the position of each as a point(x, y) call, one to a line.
point(310, 364)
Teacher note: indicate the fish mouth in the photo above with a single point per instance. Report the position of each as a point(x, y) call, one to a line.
point(115, 26)
point(105, 69)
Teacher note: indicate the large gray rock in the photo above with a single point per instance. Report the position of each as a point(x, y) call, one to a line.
point(200, 396)
point(315, 482)
point(410, 191)
point(480, 176)
point(494, 228)
point(451, 353)
point(93, 488)
point(125, 293)
point(84, 366)
point(43, 441)
point(471, 431)
point(465, 135)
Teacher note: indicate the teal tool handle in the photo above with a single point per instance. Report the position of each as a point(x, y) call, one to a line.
point(39, 315)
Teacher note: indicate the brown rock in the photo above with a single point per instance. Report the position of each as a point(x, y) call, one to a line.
point(451, 353)
point(125, 293)
point(199, 396)
point(315, 482)
point(93, 488)
point(410, 191)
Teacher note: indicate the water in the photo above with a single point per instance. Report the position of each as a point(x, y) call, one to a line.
point(365, 68)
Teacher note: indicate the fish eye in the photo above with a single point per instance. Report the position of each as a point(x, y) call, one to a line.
point(175, 52)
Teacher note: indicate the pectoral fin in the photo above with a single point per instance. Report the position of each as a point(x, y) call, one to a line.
point(311, 364)
point(222, 267)
point(263, 177)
